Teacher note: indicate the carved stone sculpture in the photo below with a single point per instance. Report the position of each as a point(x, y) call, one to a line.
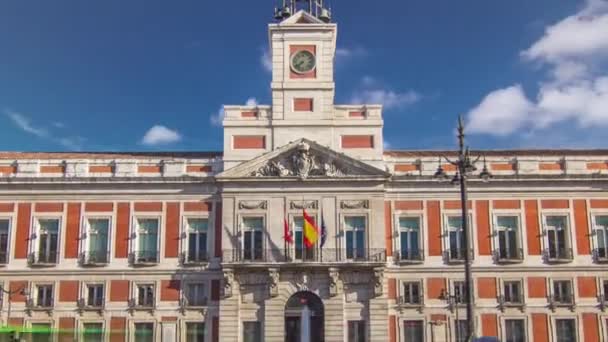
point(273, 283)
point(228, 283)
point(378, 281)
point(335, 283)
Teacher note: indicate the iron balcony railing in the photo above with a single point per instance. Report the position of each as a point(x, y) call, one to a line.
point(92, 258)
point(456, 255)
point(194, 257)
point(557, 255)
point(410, 256)
point(87, 304)
point(41, 304)
point(193, 303)
point(600, 255)
point(42, 259)
point(510, 302)
point(509, 255)
point(561, 300)
point(147, 304)
point(321, 255)
point(144, 257)
point(410, 301)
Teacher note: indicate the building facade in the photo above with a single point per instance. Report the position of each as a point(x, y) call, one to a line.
point(192, 246)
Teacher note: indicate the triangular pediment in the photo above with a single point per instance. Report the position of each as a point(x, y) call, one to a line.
point(303, 159)
point(302, 17)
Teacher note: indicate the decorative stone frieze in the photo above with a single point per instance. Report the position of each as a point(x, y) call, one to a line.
point(362, 204)
point(252, 205)
point(304, 205)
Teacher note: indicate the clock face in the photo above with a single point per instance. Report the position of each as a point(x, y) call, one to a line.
point(303, 61)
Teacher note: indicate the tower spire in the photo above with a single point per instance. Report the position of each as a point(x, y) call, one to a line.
point(316, 8)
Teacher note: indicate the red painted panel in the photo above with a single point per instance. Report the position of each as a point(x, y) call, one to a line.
point(7, 207)
point(587, 287)
point(118, 329)
point(392, 288)
point(99, 207)
point(66, 329)
point(68, 291)
point(243, 142)
point(456, 205)
point(149, 169)
point(406, 167)
point(24, 213)
point(533, 227)
point(435, 287)
point(489, 325)
point(591, 327)
point(388, 228)
point(434, 227)
point(408, 205)
point(487, 288)
point(218, 230)
point(506, 204)
point(198, 168)
point(148, 206)
point(581, 223)
point(537, 287)
point(48, 207)
point(484, 237)
point(555, 204)
point(119, 291)
point(599, 204)
point(15, 288)
point(72, 233)
point(303, 105)
point(172, 230)
point(197, 206)
point(123, 217)
point(170, 290)
point(357, 141)
point(392, 328)
point(540, 329)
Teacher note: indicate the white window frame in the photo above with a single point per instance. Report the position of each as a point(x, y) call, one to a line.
point(461, 318)
point(505, 318)
point(184, 326)
point(366, 232)
point(446, 232)
point(35, 235)
point(573, 289)
point(463, 301)
point(85, 291)
point(135, 293)
point(568, 235)
point(420, 283)
point(136, 235)
point(594, 229)
point(186, 233)
point(496, 228)
point(421, 230)
point(43, 321)
point(85, 233)
point(243, 229)
point(155, 328)
point(522, 289)
point(186, 289)
point(577, 327)
point(401, 327)
point(34, 293)
point(84, 321)
point(9, 241)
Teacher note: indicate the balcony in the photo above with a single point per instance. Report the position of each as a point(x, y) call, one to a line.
point(193, 303)
point(561, 301)
point(43, 305)
point(315, 257)
point(91, 304)
point(558, 255)
point(410, 302)
point(42, 259)
point(509, 256)
point(94, 258)
point(600, 255)
point(145, 305)
point(505, 302)
point(194, 258)
point(144, 258)
point(456, 256)
point(409, 256)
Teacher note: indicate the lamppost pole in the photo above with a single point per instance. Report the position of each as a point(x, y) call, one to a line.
point(465, 166)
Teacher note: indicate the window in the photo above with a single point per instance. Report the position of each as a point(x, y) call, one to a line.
point(48, 240)
point(601, 234)
point(147, 240)
point(92, 332)
point(4, 240)
point(512, 292)
point(507, 229)
point(456, 238)
point(515, 330)
point(252, 332)
point(355, 237)
point(42, 332)
point(411, 293)
point(413, 331)
point(253, 228)
point(95, 295)
point(97, 240)
point(460, 293)
point(565, 330)
point(356, 331)
point(605, 288)
point(460, 330)
point(195, 294)
point(562, 292)
point(195, 332)
point(301, 251)
point(44, 296)
point(145, 295)
point(197, 239)
point(144, 332)
point(557, 237)
point(409, 238)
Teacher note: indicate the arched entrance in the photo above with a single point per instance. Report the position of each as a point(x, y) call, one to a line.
point(304, 318)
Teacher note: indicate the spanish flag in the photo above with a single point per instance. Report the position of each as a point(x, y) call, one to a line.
point(311, 232)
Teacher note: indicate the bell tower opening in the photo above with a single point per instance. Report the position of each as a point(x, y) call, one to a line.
point(316, 8)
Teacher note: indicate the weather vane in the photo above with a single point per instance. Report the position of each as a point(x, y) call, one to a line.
point(317, 8)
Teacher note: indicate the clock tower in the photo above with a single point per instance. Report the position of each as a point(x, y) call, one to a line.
point(302, 50)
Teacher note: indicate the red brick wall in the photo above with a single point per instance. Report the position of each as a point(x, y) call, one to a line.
point(48, 207)
point(242, 142)
point(406, 167)
point(123, 218)
point(408, 205)
point(392, 288)
point(7, 170)
point(72, 232)
point(392, 328)
point(555, 204)
point(99, 207)
point(172, 230)
point(148, 206)
point(506, 204)
point(7, 207)
point(434, 227)
point(24, 213)
point(197, 206)
point(484, 238)
point(599, 204)
point(533, 227)
point(357, 141)
point(388, 228)
point(68, 291)
point(52, 169)
point(581, 224)
point(169, 290)
point(198, 168)
point(119, 291)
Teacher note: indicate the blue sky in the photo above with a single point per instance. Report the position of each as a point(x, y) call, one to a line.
point(99, 75)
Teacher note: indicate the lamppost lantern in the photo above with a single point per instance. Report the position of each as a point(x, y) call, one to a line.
point(465, 167)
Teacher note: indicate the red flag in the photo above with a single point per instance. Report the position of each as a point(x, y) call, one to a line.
point(287, 232)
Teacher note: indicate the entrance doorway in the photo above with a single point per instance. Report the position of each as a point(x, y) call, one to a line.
point(304, 320)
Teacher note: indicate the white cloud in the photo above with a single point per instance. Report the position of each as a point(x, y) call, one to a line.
point(390, 99)
point(344, 54)
point(26, 125)
point(266, 60)
point(160, 135)
point(574, 90)
point(252, 101)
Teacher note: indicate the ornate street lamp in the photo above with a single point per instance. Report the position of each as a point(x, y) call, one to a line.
point(465, 166)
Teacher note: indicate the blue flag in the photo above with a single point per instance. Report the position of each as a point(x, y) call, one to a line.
point(323, 231)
